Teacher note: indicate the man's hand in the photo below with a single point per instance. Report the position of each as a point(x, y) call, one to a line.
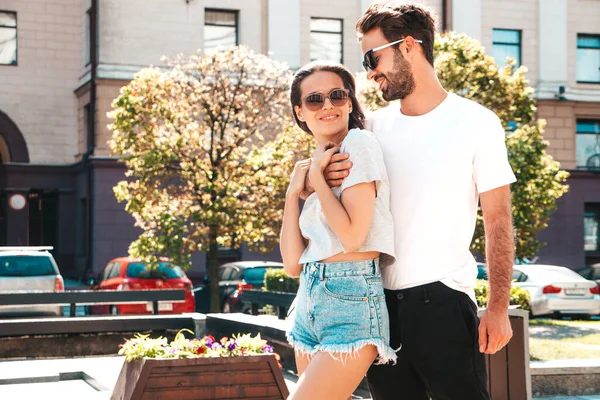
point(494, 331)
point(338, 169)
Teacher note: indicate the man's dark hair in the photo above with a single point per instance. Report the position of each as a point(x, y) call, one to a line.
point(398, 21)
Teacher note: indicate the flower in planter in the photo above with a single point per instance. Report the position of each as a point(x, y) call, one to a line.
point(142, 346)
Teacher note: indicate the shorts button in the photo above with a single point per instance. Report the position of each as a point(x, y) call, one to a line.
point(400, 296)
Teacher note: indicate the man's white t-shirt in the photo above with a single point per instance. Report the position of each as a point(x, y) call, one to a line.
point(438, 164)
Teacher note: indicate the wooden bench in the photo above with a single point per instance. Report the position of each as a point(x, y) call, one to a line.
point(280, 300)
point(91, 297)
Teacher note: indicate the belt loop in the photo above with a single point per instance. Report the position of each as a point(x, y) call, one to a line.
point(374, 267)
point(426, 294)
point(321, 270)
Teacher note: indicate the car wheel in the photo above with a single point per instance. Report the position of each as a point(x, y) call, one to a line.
point(114, 310)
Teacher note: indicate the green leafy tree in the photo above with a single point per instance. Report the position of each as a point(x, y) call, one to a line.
point(463, 68)
point(200, 172)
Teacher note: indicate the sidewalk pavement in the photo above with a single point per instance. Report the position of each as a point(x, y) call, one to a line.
point(104, 371)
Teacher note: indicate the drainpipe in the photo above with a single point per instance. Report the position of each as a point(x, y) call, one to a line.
point(444, 15)
point(91, 145)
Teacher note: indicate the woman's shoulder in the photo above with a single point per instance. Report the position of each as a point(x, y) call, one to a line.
point(360, 136)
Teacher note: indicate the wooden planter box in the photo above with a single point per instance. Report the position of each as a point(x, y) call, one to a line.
point(508, 372)
point(245, 377)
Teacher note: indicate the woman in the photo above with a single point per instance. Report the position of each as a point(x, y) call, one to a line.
point(338, 242)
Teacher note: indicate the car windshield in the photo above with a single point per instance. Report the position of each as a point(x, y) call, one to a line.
point(26, 266)
point(164, 270)
point(255, 275)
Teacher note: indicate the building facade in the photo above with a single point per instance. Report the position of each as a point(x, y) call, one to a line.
point(62, 62)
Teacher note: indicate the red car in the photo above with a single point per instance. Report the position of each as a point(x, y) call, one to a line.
point(126, 273)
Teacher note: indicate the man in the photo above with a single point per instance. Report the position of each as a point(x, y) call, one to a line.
point(443, 153)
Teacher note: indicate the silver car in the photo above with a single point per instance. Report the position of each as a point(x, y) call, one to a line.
point(27, 268)
point(558, 291)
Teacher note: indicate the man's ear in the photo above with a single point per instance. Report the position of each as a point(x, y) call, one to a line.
point(298, 111)
point(410, 47)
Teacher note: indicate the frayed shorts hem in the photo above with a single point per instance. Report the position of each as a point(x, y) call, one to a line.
point(385, 353)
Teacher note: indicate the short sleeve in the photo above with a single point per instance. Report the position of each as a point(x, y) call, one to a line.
point(366, 157)
point(491, 169)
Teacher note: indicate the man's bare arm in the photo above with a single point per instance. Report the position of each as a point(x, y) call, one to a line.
point(499, 243)
point(495, 330)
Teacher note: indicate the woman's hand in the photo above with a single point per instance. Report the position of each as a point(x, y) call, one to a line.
point(322, 157)
point(296, 186)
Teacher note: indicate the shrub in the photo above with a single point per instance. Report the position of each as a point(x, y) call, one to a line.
point(276, 280)
point(518, 295)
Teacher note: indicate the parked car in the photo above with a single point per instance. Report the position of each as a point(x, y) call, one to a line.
point(234, 278)
point(28, 268)
point(591, 272)
point(558, 291)
point(127, 273)
point(482, 271)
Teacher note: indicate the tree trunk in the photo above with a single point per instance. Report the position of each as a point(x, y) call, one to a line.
point(213, 271)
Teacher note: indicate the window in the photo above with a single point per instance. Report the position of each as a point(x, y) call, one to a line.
point(506, 43)
point(115, 270)
point(220, 29)
point(88, 37)
point(26, 266)
point(588, 58)
point(591, 227)
point(8, 38)
point(326, 39)
point(519, 276)
point(106, 272)
point(587, 144)
point(164, 270)
point(226, 273)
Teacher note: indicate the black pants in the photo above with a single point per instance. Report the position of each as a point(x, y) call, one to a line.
point(438, 330)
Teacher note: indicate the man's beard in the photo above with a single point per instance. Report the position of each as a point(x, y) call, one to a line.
point(401, 82)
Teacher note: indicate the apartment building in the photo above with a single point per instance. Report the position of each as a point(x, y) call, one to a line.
point(62, 62)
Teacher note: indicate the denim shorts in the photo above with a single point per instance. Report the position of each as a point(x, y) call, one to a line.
point(340, 308)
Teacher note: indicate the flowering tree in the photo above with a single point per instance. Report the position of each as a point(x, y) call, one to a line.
point(463, 67)
point(201, 174)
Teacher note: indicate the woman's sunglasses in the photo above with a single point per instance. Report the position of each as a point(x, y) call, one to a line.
point(369, 60)
point(337, 97)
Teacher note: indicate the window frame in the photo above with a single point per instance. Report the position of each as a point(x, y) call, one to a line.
point(341, 33)
point(16, 28)
point(579, 121)
point(236, 25)
point(592, 208)
point(519, 45)
point(586, 35)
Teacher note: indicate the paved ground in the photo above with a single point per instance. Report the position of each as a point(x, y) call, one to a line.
point(105, 370)
point(574, 329)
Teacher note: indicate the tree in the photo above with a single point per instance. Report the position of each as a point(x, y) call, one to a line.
point(463, 67)
point(192, 136)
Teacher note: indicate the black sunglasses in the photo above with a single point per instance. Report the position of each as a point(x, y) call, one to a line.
point(337, 97)
point(369, 60)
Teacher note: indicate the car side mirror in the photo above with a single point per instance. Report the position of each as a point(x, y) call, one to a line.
point(92, 281)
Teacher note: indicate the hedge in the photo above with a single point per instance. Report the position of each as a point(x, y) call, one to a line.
point(518, 295)
point(276, 280)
